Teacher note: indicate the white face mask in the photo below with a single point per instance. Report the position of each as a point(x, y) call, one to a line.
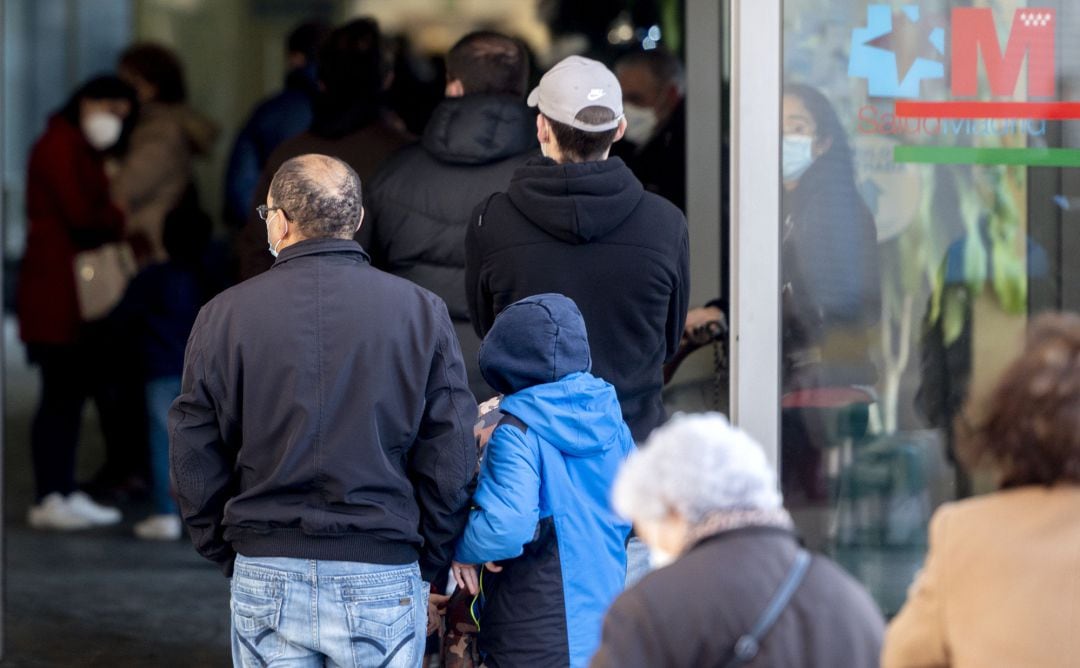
point(102, 129)
point(640, 123)
point(659, 558)
point(798, 155)
point(274, 247)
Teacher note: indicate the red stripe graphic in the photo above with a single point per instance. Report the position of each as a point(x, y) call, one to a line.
point(1043, 111)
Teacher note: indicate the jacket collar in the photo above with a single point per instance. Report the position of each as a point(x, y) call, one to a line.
point(745, 531)
point(321, 247)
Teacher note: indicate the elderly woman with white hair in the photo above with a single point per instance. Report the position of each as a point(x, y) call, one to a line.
point(735, 587)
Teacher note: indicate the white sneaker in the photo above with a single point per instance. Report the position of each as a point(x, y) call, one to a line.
point(158, 527)
point(55, 513)
point(99, 515)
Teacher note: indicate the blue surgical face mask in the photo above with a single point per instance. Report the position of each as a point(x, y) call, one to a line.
point(798, 156)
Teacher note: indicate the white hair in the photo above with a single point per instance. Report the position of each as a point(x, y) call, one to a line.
point(695, 465)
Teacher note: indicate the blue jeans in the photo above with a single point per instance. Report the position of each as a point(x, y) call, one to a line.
point(304, 612)
point(160, 393)
point(637, 561)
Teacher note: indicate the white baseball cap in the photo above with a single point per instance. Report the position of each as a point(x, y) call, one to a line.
point(573, 84)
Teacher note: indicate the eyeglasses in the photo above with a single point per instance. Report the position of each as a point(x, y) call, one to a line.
point(264, 211)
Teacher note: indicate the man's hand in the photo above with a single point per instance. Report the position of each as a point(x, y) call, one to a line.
point(697, 318)
point(436, 609)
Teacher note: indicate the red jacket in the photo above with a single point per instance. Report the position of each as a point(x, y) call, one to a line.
point(68, 209)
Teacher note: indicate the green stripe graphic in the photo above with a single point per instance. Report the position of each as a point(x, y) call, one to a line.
point(963, 155)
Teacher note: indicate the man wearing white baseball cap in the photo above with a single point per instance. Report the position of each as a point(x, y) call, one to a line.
point(578, 223)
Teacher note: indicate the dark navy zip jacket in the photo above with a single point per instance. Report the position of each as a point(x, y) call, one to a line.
point(324, 414)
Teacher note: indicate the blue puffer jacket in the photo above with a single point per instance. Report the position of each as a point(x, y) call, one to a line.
point(542, 505)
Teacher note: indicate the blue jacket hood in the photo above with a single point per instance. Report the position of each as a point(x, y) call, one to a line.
point(579, 414)
point(537, 340)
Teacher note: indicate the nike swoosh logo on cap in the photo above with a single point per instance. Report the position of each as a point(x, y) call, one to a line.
point(595, 94)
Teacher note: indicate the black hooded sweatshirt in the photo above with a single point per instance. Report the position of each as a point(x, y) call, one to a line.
point(420, 203)
point(589, 231)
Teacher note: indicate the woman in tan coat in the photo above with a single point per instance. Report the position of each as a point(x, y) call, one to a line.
point(1001, 583)
point(156, 172)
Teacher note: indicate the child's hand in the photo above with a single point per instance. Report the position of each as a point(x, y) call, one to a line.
point(436, 611)
point(465, 576)
point(493, 567)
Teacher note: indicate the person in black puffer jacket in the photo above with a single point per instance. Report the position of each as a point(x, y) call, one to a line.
point(422, 198)
point(581, 224)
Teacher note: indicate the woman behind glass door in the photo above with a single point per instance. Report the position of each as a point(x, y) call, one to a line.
point(831, 293)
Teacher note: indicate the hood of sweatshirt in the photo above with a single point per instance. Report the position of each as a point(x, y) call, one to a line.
point(537, 340)
point(480, 129)
point(576, 202)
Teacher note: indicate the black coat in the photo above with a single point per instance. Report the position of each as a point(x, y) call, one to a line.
point(691, 613)
point(420, 202)
point(830, 276)
point(661, 162)
point(324, 414)
point(591, 232)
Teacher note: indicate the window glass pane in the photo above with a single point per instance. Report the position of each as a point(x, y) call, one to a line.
point(926, 203)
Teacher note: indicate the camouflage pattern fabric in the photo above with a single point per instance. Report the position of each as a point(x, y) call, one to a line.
point(459, 646)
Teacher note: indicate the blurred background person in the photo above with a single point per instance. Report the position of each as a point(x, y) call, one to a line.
point(159, 309)
point(275, 119)
point(703, 497)
point(152, 177)
point(350, 123)
point(69, 210)
point(653, 86)
point(998, 587)
point(155, 174)
point(423, 198)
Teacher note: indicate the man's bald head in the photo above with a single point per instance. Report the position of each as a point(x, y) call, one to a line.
point(319, 194)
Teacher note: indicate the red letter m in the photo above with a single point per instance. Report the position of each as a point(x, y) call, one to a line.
point(1032, 34)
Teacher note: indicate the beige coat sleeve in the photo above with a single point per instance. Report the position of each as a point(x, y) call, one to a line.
point(157, 159)
point(916, 637)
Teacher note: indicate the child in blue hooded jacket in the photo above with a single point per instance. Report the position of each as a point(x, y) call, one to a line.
point(542, 519)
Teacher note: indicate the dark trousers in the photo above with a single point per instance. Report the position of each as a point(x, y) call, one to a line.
point(100, 366)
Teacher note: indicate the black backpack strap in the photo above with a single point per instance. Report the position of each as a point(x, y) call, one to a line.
point(747, 646)
point(514, 421)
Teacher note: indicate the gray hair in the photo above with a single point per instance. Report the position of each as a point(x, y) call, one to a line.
point(696, 465)
point(320, 194)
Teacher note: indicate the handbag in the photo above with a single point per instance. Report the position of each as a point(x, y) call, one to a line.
point(102, 275)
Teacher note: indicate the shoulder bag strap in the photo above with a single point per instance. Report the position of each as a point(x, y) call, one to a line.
point(747, 646)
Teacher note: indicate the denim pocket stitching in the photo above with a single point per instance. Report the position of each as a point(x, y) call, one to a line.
point(364, 624)
point(255, 617)
point(376, 593)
